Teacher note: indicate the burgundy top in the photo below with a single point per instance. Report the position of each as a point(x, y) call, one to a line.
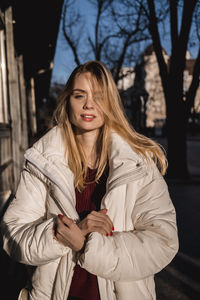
point(84, 285)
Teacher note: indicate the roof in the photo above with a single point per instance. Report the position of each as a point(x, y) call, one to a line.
point(189, 62)
point(36, 25)
point(150, 49)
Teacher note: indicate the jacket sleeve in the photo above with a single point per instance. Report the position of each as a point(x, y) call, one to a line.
point(144, 251)
point(28, 236)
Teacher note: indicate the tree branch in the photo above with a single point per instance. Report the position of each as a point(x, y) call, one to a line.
point(194, 84)
point(91, 44)
point(173, 23)
point(97, 52)
point(101, 6)
point(153, 27)
point(188, 10)
point(67, 37)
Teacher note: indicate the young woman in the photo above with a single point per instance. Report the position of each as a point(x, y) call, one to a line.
point(92, 213)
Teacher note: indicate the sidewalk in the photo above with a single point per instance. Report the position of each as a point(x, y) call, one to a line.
point(181, 279)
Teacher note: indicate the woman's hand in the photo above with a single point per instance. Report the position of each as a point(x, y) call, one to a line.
point(69, 234)
point(97, 222)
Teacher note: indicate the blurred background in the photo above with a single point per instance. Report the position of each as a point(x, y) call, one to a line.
point(152, 48)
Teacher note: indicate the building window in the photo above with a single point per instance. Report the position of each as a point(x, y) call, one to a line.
point(3, 82)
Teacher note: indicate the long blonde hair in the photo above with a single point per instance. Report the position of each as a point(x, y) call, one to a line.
point(115, 120)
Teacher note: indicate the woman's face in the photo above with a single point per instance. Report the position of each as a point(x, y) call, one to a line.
point(84, 113)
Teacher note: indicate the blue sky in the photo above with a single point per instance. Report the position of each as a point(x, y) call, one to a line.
point(64, 61)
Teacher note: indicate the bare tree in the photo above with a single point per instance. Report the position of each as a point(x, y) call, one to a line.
point(118, 27)
point(100, 38)
point(69, 21)
point(132, 28)
point(178, 104)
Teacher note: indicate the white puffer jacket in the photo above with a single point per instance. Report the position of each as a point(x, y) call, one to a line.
point(145, 238)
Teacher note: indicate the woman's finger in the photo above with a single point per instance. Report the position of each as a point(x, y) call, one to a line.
point(93, 224)
point(103, 211)
point(93, 221)
point(69, 234)
point(103, 217)
point(67, 221)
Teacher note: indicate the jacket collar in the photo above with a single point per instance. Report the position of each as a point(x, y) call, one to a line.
point(48, 156)
point(125, 164)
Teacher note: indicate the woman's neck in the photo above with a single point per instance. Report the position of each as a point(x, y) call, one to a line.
point(88, 140)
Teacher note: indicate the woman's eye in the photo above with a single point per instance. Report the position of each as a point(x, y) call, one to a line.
point(78, 96)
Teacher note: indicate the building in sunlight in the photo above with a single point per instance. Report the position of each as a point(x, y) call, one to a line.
point(142, 92)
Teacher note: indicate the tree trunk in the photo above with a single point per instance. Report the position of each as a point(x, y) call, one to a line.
point(172, 81)
point(176, 130)
point(177, 149)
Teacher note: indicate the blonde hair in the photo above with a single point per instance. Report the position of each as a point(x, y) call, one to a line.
point(115, 120)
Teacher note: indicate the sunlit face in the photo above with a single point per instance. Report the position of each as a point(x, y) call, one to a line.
point(84, 113)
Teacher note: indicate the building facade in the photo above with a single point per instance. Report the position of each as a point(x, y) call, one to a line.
point(28, 34)
point(155, 106)
point(13, 115)
point(142, 91)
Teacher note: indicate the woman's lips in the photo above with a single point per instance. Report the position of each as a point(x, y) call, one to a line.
point(87, 117)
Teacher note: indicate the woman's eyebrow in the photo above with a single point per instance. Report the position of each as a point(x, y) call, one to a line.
point(79, 90)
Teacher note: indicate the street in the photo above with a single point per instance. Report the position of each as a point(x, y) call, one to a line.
point(180, 279)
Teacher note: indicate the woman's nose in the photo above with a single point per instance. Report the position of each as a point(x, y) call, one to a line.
point(89, 102)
